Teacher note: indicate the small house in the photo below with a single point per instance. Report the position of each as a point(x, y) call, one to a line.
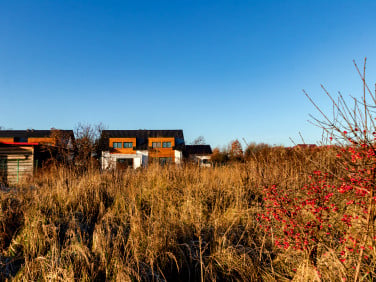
point(200, 154)
point(23, 151)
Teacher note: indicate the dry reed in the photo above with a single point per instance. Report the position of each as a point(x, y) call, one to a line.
point(162, 223)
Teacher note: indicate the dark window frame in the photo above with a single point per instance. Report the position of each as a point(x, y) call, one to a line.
point(164, 160)
point(155, 144)
point(166, 144)
point(117, 145)
point(21, 139)
point(127, 144)
point(122, 163)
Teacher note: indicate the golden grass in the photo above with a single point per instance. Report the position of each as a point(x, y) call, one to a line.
point(172, 223)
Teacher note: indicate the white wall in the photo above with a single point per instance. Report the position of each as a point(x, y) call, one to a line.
point(200, 160)
point(178, 156)
point(141, 158)
point(106, 161)
point(109, 160)
point(144, 157)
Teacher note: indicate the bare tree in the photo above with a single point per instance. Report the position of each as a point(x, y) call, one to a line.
point(199, 141)
point(349, 125)
point(60, 149)
point(87, 140)
point(353, 128)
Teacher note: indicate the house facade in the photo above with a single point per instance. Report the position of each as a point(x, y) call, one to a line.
point(138, 148)
point(200, 154)
point(22, 151)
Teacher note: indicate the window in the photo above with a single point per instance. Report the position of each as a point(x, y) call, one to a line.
point(124, 163)
point(156, 144)
point(127, 144)
point(163, 161)
point(20, 139)
point(166, 144)
point(116, 145)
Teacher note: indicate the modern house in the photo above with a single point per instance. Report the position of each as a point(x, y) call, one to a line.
point(138, 148)
point(22, 151)
point(200, 154)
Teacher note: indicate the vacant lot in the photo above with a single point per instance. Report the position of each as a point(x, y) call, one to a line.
point(280, 215)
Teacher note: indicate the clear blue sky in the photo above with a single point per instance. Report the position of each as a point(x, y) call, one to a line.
point(221, 69)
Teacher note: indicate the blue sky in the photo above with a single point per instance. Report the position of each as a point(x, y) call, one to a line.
point(220, 69)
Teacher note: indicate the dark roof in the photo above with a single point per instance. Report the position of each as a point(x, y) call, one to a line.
point(143, 133)
point(32, 133)
point(179, 147)
point(142, 136)
point(198, 149)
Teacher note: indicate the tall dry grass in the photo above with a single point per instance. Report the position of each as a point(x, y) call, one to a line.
point(162, 223)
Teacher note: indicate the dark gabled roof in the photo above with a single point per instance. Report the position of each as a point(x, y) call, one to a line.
point(32, 133)
point(198, 150)
point(143, 133)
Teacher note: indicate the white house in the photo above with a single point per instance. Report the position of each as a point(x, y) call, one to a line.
point(137, 148)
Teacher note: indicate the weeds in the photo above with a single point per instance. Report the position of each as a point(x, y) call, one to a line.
point(171, 223)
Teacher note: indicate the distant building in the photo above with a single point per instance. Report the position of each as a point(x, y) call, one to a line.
point(137, 148)
point(200, 154)
point(22, 151)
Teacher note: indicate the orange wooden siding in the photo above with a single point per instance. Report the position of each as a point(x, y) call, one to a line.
point(42, 140)
point(162, 152)
point(122, 150)
point(6, 139)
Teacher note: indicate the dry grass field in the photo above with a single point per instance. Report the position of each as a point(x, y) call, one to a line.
point(176, 224)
